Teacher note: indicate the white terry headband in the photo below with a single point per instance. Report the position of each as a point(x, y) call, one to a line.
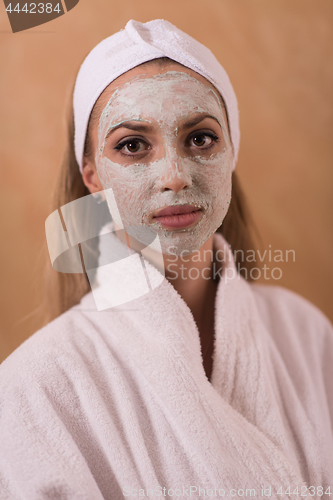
point(134, 45)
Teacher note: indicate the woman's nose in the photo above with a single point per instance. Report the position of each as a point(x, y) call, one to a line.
point(174, 176)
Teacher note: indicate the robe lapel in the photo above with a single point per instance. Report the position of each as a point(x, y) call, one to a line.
point(231, 429)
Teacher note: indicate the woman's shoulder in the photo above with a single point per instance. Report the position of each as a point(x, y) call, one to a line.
point(62, 341)
point(276, 300)
point(293, 321)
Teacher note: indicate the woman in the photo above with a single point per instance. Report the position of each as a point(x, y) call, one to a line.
point(203, 385)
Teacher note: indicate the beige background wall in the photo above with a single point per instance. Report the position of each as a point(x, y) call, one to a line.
point(278, 54)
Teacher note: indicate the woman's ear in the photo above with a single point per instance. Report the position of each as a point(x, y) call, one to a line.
point(90, 176)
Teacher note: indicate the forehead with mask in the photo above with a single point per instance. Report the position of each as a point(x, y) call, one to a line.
point(160, 140)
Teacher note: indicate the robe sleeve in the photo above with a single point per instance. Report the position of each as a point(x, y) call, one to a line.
point(327, 368)
point(38, 457)
point(302, 334)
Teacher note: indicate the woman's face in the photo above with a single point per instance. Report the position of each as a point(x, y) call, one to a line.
point(162, 142)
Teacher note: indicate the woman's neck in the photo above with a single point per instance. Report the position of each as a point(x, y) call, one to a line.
point(191, 275)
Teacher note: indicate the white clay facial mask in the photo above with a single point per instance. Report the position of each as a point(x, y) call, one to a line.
point(163, 141)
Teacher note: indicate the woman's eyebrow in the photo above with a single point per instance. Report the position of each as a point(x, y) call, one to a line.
point(131, 125)
point(194, 121)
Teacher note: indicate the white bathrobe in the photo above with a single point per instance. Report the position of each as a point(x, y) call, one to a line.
point(115, 404)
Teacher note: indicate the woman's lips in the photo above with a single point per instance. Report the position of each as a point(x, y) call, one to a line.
point(178, 217)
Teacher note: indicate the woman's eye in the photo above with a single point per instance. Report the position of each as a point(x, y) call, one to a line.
point(132, 146)
point(203, 140)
